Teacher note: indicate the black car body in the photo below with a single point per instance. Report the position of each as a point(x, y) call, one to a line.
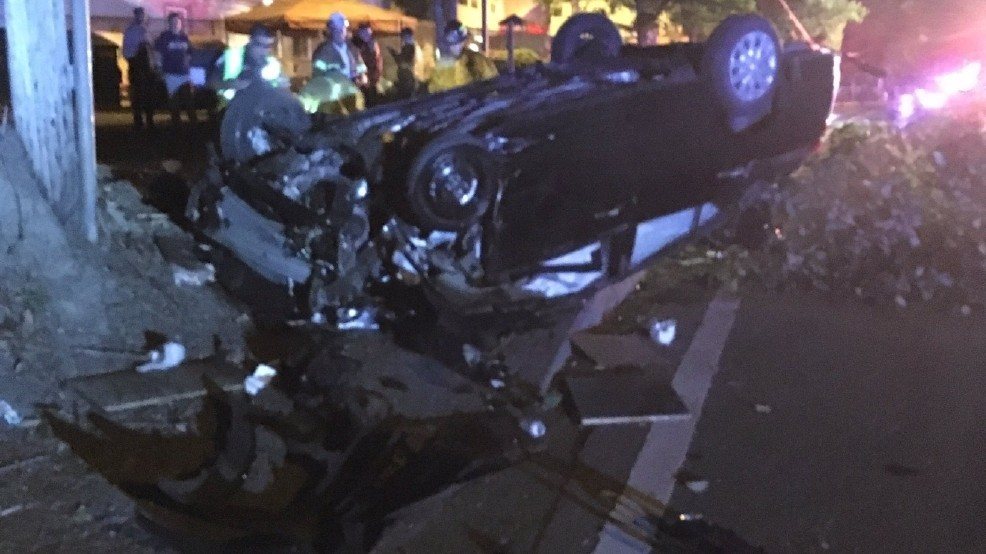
point(535, 184)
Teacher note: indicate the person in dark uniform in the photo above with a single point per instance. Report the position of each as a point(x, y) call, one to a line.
point(369, 51)
point(140, 74)
point(407, 58)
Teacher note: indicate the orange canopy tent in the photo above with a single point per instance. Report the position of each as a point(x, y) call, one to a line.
point(311, 15)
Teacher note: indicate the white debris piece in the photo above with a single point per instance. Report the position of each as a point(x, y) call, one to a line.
point(9, 414)
point(357, 320)
point(534, 427)
point(169, 356)
point(193, 277)
point(663, 331)
point(262, 376)
point(763, 409)
point(471, 354)
point(498, 384)
point(698, 487)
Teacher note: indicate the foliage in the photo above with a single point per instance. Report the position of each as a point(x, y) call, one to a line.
point(888, 215)
point(823, 19)
point(700, 17)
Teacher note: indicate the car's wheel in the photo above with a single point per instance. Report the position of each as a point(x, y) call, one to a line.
point(741, 63)
point(586, 36)
point(257, 119)
point(451, 184)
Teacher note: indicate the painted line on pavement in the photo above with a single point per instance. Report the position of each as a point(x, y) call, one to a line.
point(667, 442)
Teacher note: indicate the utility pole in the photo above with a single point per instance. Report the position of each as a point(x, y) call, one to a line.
point(486, 27)
point(85, 116)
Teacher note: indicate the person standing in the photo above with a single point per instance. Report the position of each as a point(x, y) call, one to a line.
point(408, 58)
point(140, 74)
point(337, 71)
point(465, 66)
point(369, 51)
point(174, 51)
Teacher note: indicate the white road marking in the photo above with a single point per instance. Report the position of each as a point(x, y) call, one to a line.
point(667, 442)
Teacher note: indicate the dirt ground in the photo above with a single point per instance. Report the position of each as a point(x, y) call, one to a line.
point(71, 311)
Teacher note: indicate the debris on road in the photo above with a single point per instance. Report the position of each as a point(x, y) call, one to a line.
point(193, 277)
point(637, 395)
point(258, 381)
point(610, 351)
point(11, 510)
point(763, 409)
point(169, 356)
point(663, 331)
point(9, 414)
point(698, 487)
point(535, 428)
point(472, 355)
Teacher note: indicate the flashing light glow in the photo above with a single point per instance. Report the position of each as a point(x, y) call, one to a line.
point(931, 100)
point(906, 106)
point(962, 80)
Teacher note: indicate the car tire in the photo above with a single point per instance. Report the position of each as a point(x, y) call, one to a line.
point(741, 64)
point(586, 36)
point(259, 108)
point(455, 205)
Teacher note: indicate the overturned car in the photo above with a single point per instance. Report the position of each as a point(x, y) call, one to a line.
point(535, 184)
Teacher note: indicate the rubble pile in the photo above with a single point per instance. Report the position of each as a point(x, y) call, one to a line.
point(889, 215)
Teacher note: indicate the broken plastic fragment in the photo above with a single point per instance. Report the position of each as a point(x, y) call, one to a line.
point(193, 277)
point(169, 356)
point(471, 354)
point(663, 332)
point(534, 427)
point(763, 409)
point(9, 414)
point(497, 384)
point(352, 319)
point(262, 376)
point(698, 487)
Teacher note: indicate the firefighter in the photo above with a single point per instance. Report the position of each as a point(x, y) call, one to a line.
point(466, 65)
point(237, 68)
point(337, 72)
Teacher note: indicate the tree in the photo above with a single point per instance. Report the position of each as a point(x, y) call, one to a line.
point(697, 17)
point(822, 18)
point(825, 20)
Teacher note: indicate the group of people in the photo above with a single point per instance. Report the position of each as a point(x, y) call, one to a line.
point(168, 56)
point(353, 67)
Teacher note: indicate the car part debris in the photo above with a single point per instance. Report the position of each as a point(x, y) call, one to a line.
point(535, 428)
point(9, 414)
point(258, 381)
point(698, 487)
point(169, 356)
point(663, 331)
point(619, 397)
point(193, 277)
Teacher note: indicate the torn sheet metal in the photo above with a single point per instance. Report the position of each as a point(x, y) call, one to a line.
point(657, 233)
point(622, 397)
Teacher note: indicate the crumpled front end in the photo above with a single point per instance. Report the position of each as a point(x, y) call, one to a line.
point(299, 220)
